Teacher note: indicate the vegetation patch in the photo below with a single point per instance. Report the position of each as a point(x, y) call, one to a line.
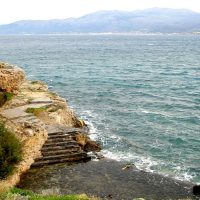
point(5, 96)
point(36, 111)
point(35, 82)
point(10, 151)
point(33, 196)
point(8, 96)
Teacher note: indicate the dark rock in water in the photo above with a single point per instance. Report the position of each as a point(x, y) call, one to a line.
point(92, 146)
point(196, 190)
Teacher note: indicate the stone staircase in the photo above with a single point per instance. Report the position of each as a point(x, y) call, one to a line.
point(60, 147)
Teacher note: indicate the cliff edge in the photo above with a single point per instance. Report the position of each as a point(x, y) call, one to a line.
point(32, 112)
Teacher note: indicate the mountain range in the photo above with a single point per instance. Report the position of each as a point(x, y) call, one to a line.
point(154, 20)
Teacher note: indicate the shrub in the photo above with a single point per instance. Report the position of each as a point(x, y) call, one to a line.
point(10, 151)
point(5, 96)
point(8, 96)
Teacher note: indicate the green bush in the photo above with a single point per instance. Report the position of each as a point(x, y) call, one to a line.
point(8, 96)
point(10, 151)
point(5, 96)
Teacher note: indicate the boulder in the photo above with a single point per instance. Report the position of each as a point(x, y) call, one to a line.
point(81, 139)
point(92, 146)
point(11, 77)
point(86, 143)
point(196, 190)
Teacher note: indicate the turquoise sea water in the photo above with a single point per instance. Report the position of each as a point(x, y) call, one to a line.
point(140, 95)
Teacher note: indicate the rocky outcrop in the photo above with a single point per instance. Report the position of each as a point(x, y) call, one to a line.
point(30, 113)
point(11, 77)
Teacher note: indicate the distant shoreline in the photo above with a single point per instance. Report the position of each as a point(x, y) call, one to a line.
point(103, 34)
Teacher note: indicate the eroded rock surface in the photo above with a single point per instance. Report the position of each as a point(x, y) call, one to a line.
point(40, 119)
point(11, 77)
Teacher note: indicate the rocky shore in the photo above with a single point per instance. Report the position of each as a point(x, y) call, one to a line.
point(106, 179)
point(52, 134)
point(49, 131)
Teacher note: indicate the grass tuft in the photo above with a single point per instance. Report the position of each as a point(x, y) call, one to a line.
point(34, 196)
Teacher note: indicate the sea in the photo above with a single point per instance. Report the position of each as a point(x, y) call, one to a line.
point(139, 94)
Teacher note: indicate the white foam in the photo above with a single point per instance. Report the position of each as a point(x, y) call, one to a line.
point(156, 113)
point(150, 44)
point(142, 163)
point(184, 176)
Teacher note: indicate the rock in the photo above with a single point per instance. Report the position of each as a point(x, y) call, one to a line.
point(128, 166)
point(79, 123)
point(92, 146)
point(11, 77)
point(41, 100)
point(86, 143)
point(196, 190)
point(29, 132)
point(51, 191)
point(95, 155)
point(139, 199)
point(17, 197)
point(81, 139)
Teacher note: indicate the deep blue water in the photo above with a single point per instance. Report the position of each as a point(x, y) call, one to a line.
point(140, 95)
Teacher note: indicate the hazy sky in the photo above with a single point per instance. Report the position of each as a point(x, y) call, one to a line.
point(13, 10)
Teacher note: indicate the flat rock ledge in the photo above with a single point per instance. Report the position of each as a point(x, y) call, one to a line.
point(48, 129)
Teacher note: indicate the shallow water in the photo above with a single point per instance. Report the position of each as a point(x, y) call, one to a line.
point(140, 95)
point(106, 179)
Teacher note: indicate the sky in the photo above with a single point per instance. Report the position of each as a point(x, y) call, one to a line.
point(14, 10)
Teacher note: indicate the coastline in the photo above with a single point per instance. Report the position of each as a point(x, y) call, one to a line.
point(103, 178)
point(31, 112)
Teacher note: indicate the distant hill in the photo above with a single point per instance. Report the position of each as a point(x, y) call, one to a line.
point(149, 21)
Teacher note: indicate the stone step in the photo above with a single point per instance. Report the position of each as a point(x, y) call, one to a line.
point(62, 133)
point(56, 133)
point(33, 121)
point(61, 151)
point(60, 143)
point(61, 156)
point(54, 148)
point(57, 140)
point(48, 162)
point(59, 136)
